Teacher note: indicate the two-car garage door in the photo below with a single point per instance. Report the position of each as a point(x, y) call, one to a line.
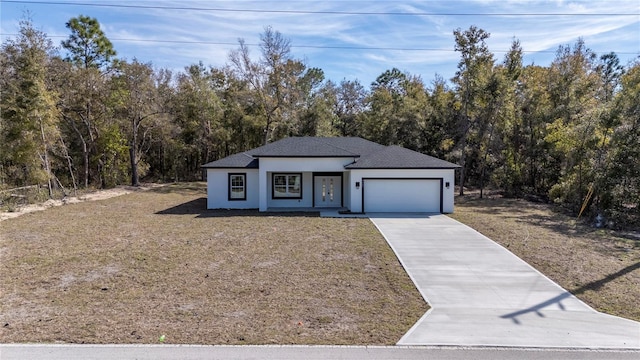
point(402, 195)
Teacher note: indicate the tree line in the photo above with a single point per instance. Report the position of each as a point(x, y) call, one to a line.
point(76, 116)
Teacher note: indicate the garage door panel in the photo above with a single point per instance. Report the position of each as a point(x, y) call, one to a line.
point(401, 195)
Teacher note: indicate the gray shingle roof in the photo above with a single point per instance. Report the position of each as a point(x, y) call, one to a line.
point(396, 157)
point(240, 160)
point(316, 147)
point(355, 145)
point(369, 155)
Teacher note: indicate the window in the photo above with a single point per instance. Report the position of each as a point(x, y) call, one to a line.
point(237, 189)
point(287, 186)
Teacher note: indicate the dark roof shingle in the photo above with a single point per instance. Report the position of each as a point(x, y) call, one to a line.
point(240, 160)
point(316, 147)
point(396, 157)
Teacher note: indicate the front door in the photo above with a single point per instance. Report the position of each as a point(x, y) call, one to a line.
point(328, 191)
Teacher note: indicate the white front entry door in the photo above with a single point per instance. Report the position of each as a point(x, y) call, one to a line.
point(328, 191)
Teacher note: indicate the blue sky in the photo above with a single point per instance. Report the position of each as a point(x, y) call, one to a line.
point(347, 39)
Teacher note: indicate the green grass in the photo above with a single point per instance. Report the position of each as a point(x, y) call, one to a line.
point(132, 268)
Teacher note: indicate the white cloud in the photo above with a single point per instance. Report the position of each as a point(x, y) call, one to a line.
point(429, 29)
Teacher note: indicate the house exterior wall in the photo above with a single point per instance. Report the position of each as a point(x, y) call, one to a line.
point(218, 189)
point(346, 189)
point(306, 166)
point(259, 183)
point(447, 175)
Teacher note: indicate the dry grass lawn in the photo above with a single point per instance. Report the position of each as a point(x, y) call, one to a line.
point(600, 267)
point(133, 268)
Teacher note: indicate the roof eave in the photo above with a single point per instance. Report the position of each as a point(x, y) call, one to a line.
point(228, 167)
point(401, 168)
point(305, 156)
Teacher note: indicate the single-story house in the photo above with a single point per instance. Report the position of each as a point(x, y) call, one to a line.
point(331, 172)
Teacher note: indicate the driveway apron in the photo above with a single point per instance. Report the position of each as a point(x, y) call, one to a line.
point(483, 295)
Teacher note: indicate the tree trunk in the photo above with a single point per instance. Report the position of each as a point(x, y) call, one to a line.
point(266, 133)
point(484, 160)
point(85, 149)
point(462, 163)
point(45, 158)
point(463, 157)
point(134, 166)
point(482, 183)
point(85, 157)
point(133, 152)
point(85, 153)
point(66, 155)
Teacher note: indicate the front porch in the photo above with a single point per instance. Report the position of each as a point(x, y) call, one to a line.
point(331, 212)
point(303, 191)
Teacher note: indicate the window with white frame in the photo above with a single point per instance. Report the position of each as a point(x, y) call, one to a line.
point(287, 186)
point(237, 187)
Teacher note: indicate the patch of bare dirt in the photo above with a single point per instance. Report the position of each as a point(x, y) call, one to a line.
point(92, 196)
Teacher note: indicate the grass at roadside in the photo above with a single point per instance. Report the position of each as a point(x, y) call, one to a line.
point(132, 268)
point(600, 267)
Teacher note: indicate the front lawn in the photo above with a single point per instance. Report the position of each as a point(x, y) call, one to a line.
point(133, 268)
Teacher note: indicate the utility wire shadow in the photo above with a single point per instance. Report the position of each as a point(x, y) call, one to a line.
point(595, 285)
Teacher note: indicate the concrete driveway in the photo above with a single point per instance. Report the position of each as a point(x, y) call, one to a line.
point(483, 295)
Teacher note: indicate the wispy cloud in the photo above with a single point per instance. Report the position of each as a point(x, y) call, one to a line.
point(344, 35)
